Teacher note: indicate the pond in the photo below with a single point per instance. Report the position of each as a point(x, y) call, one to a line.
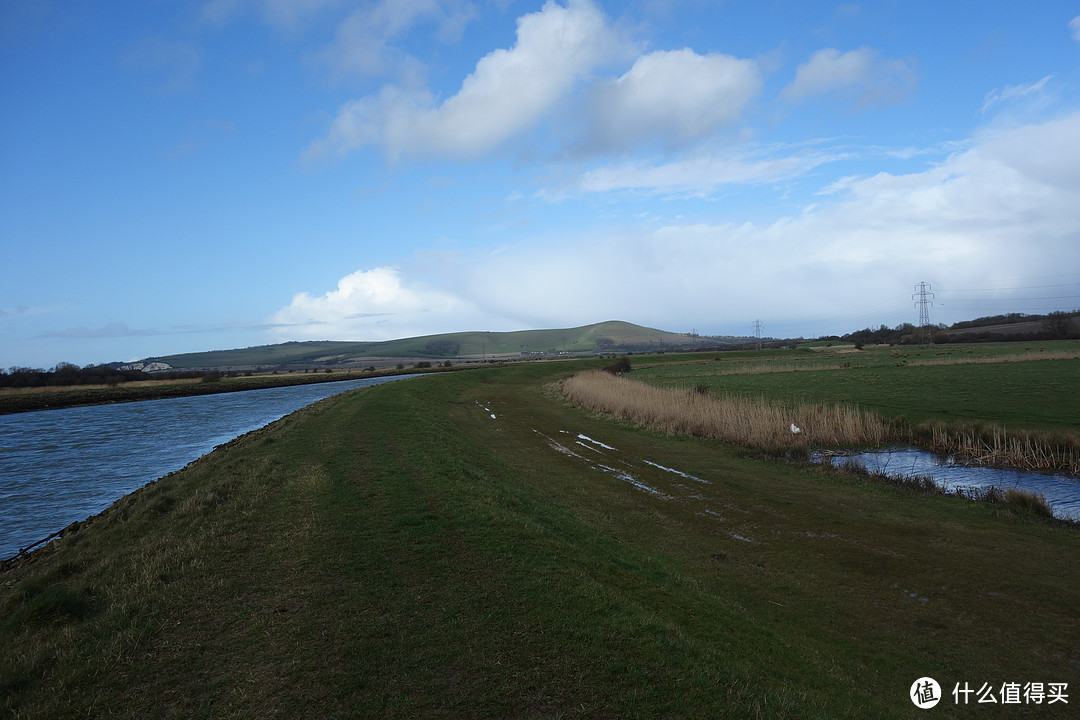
point(1062, 492)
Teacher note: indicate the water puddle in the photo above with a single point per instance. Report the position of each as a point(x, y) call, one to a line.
point(1062, 492)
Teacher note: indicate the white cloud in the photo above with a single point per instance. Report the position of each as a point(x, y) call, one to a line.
point(1003, 208)
point(1074, 26)
point(374, 304)
point(869, 79)
point(698, 174)
point(1012, 93)
point(675, 95)
point(508, 92)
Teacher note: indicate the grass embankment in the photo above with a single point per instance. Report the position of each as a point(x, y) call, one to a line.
point(398, 552)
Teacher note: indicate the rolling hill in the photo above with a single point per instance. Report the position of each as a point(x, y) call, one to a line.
point(612, 336)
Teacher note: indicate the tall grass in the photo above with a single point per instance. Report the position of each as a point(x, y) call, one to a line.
point(994, 446)
point(731, 419)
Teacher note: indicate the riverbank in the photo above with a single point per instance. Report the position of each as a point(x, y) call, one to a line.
point(474, 546)
point(51, 398)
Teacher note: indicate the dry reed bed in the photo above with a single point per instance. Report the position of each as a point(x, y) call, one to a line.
point(995, 447)
point(727, 418)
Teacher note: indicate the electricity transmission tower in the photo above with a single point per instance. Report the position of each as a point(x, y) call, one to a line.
point(758, 327)
point(922, 290)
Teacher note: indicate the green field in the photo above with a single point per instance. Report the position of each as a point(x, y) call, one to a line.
point(399, 552)
point(1025, 392)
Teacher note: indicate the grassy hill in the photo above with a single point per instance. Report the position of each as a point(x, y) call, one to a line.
point(612, 336)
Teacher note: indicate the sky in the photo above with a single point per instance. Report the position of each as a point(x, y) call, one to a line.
point(211, 174)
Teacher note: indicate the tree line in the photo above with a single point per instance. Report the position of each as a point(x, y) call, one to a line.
point(65, 374)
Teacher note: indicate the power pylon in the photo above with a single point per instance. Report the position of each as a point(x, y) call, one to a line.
point(758, 327)
point(922, 290)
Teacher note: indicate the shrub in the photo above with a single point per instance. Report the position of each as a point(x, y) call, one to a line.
point(620, 366)
point(1033, 502)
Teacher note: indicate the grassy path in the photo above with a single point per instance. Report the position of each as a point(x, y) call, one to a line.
point(399, 552)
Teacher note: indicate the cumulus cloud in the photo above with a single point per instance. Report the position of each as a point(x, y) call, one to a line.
point(376, 304)
point(1074, 26)
point(861, 74)
point(508, 92)
point(676, 95)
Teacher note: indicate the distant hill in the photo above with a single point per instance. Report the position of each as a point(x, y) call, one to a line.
point(606, 337)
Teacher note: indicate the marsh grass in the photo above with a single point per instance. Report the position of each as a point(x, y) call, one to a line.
point(993, 446)
point(728, 418)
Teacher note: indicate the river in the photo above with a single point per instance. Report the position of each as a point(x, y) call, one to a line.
point(61, 466)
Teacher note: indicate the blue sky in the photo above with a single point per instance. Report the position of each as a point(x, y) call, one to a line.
point(182, 176)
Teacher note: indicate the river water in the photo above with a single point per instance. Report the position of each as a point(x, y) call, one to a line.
point(1062, 492)
point(61, 466)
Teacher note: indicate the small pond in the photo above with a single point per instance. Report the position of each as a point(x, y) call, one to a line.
point(1062, 492)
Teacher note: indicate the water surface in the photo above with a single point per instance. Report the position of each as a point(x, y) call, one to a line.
point(1062, 492)
point(61, 466)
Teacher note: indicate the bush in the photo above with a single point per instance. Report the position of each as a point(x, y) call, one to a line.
point(1033, 502)
point(622, 365)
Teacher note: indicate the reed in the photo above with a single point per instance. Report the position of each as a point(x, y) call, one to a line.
point(994, 446)
point(729, 418)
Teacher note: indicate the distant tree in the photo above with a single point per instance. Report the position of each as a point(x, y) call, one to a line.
point(1057, 324)
point(442, 347)
point(620, 366)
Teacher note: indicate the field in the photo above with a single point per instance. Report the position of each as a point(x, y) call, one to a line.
point(472, 545)
point(992, 405)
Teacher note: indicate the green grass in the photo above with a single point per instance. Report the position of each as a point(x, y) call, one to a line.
point(397, 552)
point(1042, 395)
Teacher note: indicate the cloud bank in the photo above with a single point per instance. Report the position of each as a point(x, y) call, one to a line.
point(1004, 207)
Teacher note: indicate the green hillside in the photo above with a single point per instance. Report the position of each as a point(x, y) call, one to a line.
point(611, 336)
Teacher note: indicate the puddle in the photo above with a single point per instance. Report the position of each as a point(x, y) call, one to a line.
point(674, 472)
point(594, 442)
point(1062, 492)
